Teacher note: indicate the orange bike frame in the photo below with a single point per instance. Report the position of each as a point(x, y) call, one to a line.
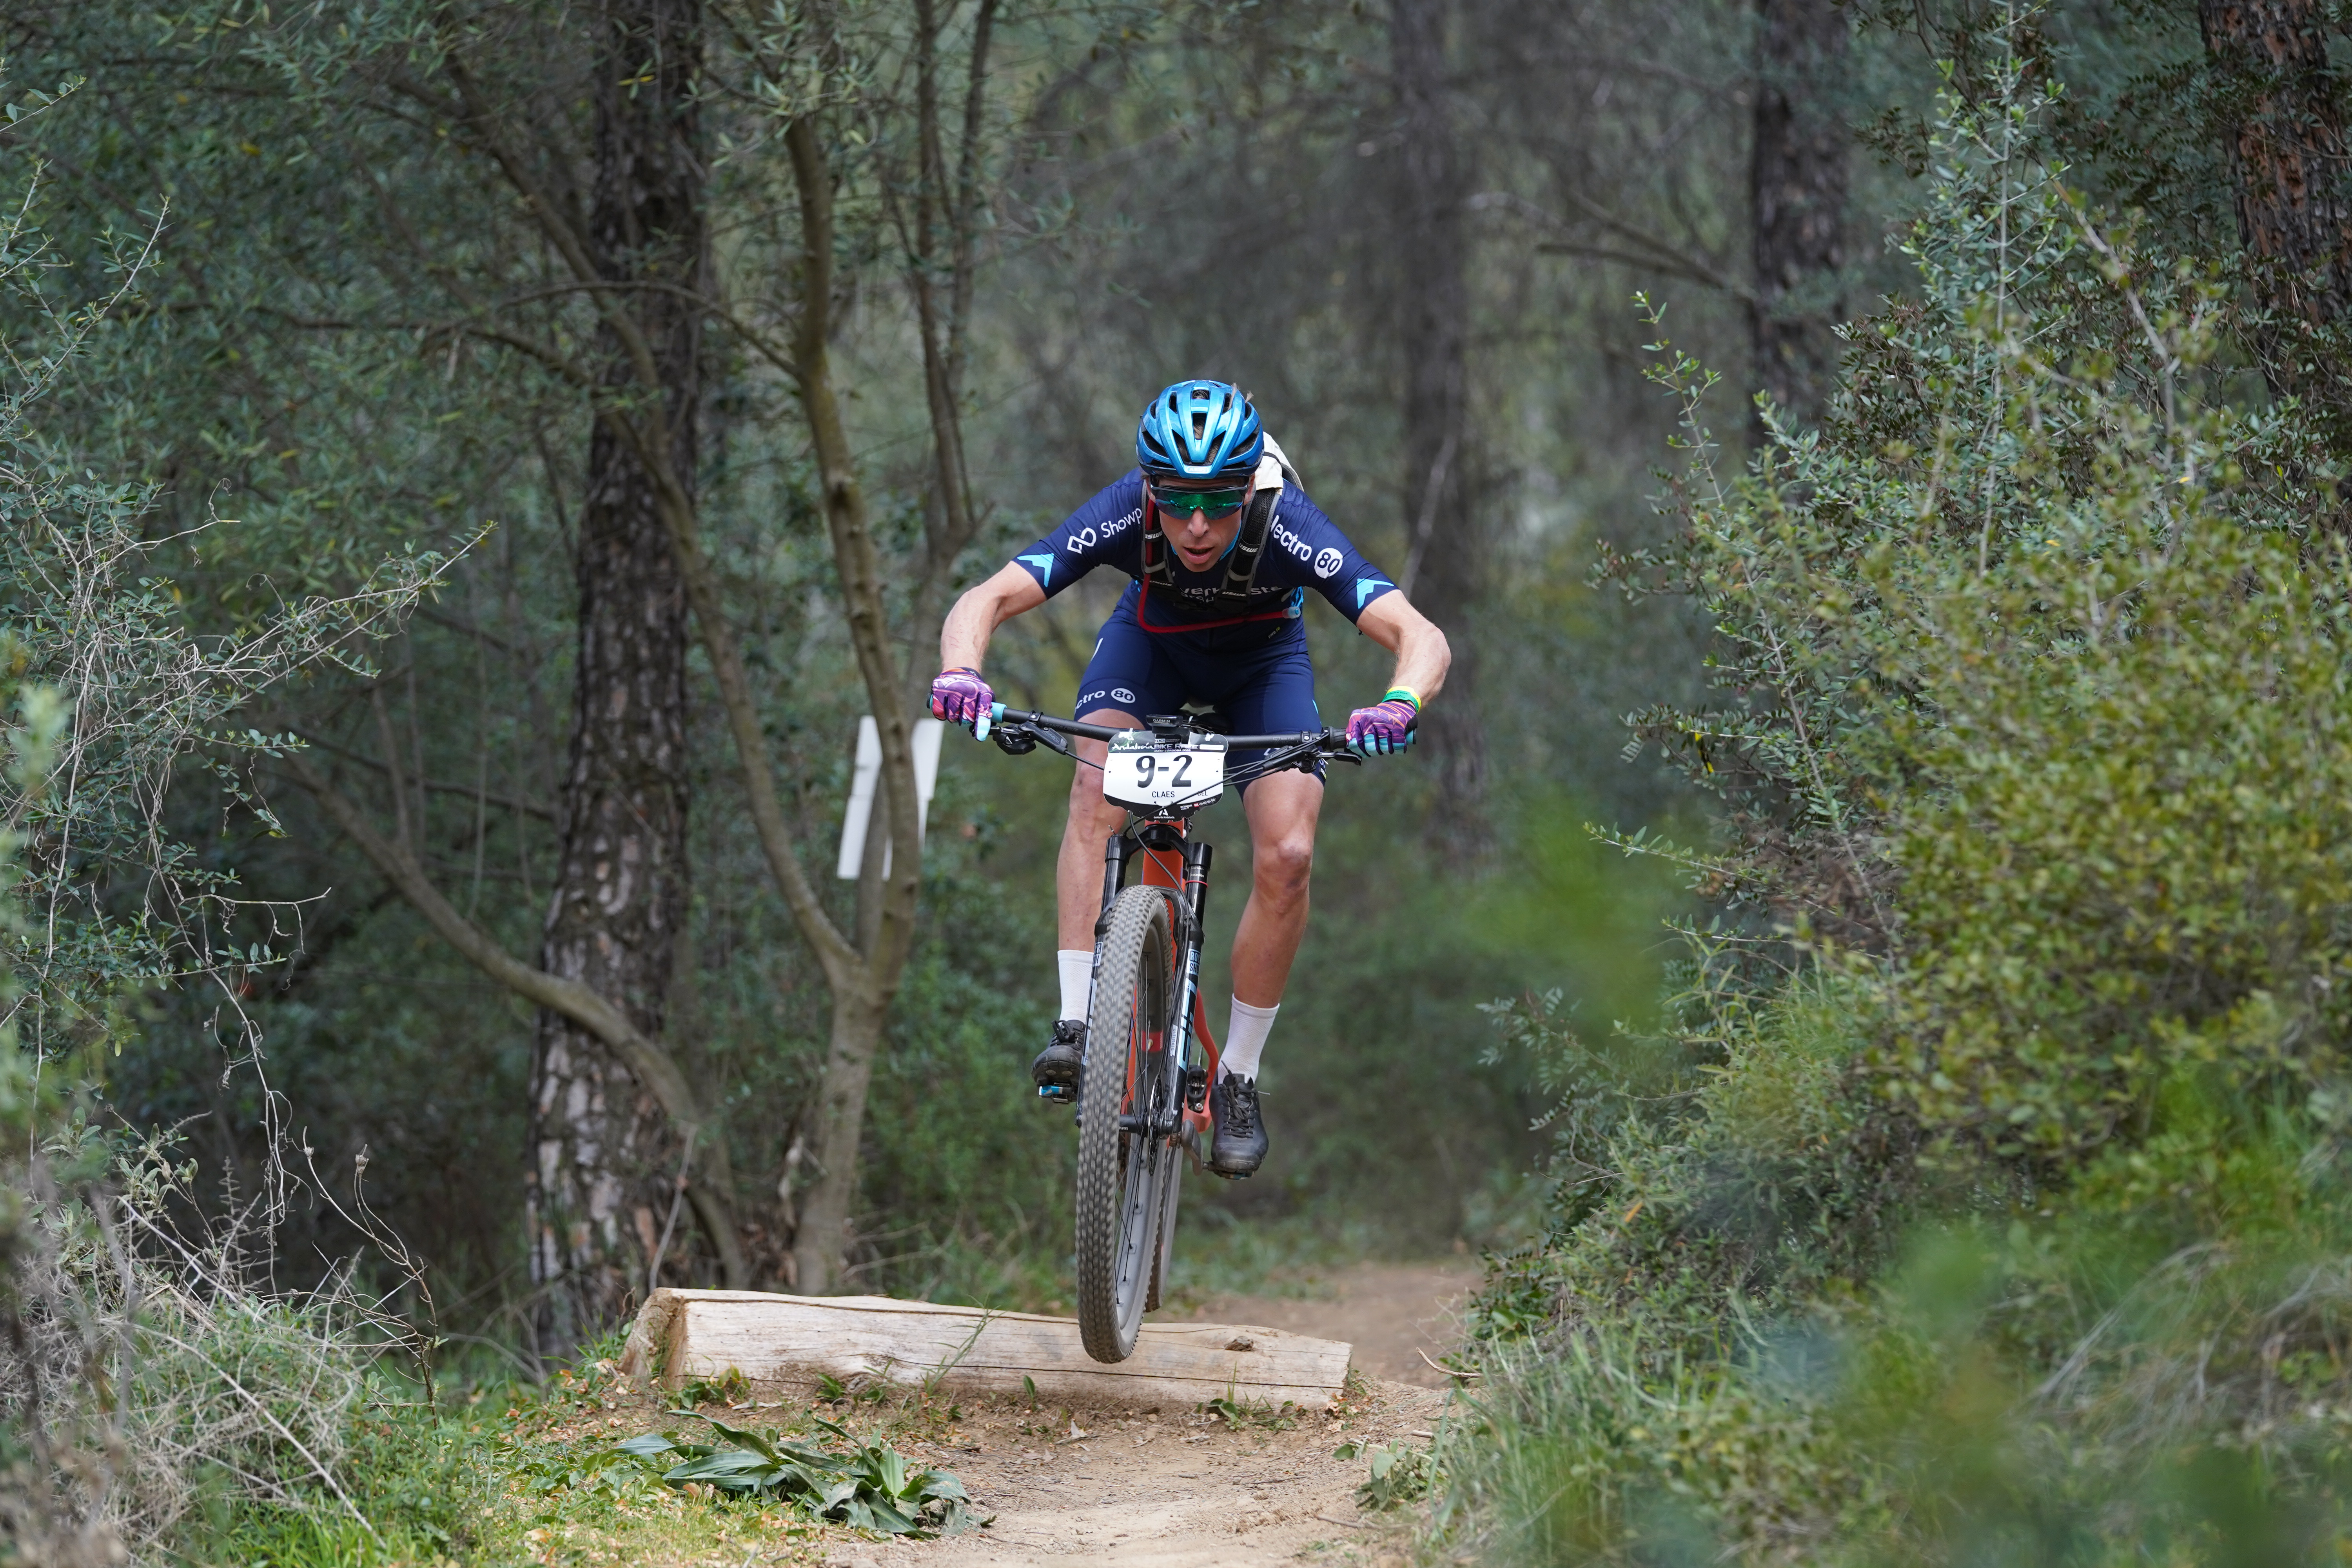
point(1165, 869)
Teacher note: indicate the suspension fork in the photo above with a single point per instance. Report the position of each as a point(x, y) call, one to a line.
point(1116, 849)
point(1183, 1048)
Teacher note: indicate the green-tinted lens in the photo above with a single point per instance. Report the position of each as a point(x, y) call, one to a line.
point(1215, 503)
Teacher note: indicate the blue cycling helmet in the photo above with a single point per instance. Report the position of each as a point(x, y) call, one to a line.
point(1199, 430)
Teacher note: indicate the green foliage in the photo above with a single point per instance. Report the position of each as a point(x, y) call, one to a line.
point(1400, 1473)
point(1262, 1414)
point(415, 1475)
point(92, 623)
point(729, 1387)
point(1984, 1198)
point(869, 1487)
point(145, 1375)
point(2135, 862)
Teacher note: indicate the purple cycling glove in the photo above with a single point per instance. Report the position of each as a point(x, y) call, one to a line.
point(961, 697)
point(1384, 727)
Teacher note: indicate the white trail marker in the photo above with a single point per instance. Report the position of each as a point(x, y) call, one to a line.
point(925, 741)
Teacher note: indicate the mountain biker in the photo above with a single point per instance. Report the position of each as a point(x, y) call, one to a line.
point(1222, 544)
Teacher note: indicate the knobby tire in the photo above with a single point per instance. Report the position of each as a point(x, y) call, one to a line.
point(1125, 1179)
point(1170, 1181)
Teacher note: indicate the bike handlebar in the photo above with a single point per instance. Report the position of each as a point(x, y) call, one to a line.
point(998, 713)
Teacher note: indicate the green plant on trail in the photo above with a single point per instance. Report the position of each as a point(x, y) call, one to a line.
point(729, 1387)
point(1262, 1414)
point(1986, 1201)
point(870, 1487)
point(1400, 1473)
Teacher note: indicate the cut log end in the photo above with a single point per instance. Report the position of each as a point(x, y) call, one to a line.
point(784, 1345)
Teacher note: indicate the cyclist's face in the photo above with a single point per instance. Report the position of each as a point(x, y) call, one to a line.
point(1199, 538)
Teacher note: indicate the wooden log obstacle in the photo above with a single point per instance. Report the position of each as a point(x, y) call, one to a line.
point(789, 1344)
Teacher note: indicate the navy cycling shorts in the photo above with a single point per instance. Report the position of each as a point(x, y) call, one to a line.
point(1253, 691)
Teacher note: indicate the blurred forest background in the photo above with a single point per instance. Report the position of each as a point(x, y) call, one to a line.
point(354, 339)
point(572, 418)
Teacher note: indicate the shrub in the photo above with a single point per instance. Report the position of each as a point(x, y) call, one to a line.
point(1985, 1202)
point(2134, 856)
point(140, 1365)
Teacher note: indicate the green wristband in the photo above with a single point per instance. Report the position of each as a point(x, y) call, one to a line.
point(1403, 694)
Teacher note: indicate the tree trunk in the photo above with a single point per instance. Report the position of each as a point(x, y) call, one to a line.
point(2284, 132)
point(864, 978)
point(606, 1160)
point(1798, 180)
point(1445, 551)
point(820, 1237)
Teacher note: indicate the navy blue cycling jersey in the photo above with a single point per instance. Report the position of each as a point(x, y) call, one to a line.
point(1304, 549)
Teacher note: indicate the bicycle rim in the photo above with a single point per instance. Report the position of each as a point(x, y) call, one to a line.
point(1121, 1175)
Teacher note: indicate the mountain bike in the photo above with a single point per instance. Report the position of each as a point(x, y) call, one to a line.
point(1143, 1095)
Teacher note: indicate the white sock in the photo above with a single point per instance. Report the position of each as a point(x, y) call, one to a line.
point(1246, 1038)
point(1077, 967)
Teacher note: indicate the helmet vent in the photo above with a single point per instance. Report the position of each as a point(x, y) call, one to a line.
point(1200, 429)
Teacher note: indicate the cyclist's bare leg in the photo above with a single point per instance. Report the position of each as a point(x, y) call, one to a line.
point(1282, 810)
point(1078, 872)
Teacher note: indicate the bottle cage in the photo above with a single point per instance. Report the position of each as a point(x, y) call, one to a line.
point(1232, 594)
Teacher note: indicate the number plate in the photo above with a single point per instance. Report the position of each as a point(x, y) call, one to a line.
point(1142, 774)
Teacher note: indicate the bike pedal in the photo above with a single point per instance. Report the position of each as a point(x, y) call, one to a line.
point(1056, 1093)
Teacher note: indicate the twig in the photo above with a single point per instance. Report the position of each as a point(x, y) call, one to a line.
point(1446, 1370)
point(669, 1225)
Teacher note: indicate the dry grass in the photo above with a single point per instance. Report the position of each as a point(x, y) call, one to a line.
point(146, 1370)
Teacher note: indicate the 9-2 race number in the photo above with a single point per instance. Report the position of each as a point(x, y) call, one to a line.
point(1180, 775)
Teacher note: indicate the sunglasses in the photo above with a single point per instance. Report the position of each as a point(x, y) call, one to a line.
point(1208, 504)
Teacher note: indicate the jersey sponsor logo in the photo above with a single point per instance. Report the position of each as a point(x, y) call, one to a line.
point(1294, 596)
point(1367, 586)
point(1119, 525)
point(1090, 697)
point(1121, 694)
point(1326, 562)
point(1291, 542)
point(1043, 562)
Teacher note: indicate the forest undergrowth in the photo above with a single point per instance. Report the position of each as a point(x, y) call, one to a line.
point(1988, 1199)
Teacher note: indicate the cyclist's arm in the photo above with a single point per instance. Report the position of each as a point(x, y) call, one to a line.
point(963, 639)
point(1422, 654)
point(1106, 531)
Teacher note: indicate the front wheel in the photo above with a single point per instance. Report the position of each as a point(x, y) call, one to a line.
point(1126, 1175)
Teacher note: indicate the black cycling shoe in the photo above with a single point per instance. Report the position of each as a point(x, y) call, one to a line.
point(1240, 1145)
point(1055, 1070)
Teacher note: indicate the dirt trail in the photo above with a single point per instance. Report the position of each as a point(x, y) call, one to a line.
point(1173, 1489)
point(1401, 1317)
